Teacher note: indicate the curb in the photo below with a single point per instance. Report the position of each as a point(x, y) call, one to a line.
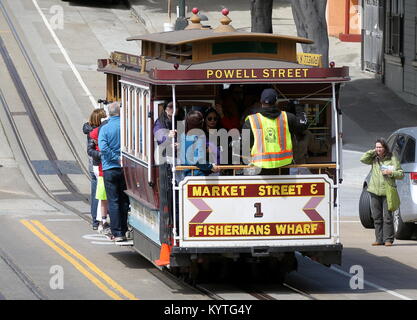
point(138, 11)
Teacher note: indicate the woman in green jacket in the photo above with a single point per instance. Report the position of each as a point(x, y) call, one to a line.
point(385, 169)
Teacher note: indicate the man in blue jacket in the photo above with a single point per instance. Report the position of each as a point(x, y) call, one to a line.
point(114, 181)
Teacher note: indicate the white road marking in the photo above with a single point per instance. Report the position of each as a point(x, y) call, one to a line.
point(66, 56)
point(98, 239)
point(393, 293)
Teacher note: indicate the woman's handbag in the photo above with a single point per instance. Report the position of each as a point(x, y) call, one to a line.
point(393, 199)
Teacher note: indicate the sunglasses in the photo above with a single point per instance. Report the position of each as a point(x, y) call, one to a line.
point(211, 118)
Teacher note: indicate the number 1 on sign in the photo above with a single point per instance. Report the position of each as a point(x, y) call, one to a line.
point(258, 213)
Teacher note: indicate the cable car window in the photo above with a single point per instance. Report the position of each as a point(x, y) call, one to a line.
point(131, 126)
point(244, 46)
point(124, 117)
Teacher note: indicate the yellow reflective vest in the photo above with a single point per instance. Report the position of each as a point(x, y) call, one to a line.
point(272, 147)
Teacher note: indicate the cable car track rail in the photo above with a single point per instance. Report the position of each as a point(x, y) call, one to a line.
point(23, 277)
point(39, 129)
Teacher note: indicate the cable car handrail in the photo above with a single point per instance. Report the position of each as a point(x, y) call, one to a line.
point(238, 167)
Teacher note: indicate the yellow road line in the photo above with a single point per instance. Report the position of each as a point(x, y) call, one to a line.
point(79, 267)
point(83, 259)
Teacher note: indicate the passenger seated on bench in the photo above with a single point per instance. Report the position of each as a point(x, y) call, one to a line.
point(192, 146)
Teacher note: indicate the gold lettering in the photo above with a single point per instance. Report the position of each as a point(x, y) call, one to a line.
point(239, 74)
point(196, 191)
point(243, 229)
point(298, 73)
point(235, 230)
point(227, 230)
point(206, 191)
point(313, 189)
point(242, 190)
point(291, 190)
point(290, 73)
point(261, 190)
point(299, 187)
point(265, 73)
point(209, 73)
point(218, 230)
point(198, 229)
point(305, 72)
point(299, 229)
point(259, 229)
point(314, 227)
point(281, 228)
point(229, 73)
point(219, 74)
point(281, 73)
point(253, 74)
point(215, 191)
point(233, 191)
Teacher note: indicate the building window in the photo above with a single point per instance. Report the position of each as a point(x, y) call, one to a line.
point(394, 29)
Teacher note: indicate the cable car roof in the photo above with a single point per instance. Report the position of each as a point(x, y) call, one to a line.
point(197, 35)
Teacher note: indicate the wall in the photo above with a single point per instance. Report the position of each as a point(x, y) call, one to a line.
point(336, 17)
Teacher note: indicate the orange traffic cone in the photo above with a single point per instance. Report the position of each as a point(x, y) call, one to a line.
point(164, 255)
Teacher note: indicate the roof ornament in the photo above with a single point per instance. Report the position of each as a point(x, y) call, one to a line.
point(225, 21)
point(195, 19)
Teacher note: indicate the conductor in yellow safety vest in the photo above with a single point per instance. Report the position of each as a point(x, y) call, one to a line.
point(271, 145)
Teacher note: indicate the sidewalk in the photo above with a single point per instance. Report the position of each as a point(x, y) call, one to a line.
point(369, 108)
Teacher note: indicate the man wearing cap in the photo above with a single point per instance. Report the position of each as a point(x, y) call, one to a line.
point(270, 134)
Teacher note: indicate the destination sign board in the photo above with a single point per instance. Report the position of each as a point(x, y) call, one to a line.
point(250, 74)
point(248, 208)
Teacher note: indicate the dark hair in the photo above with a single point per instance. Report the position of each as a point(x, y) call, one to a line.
point(193, 120)
point(383, 142)
point(212, 110)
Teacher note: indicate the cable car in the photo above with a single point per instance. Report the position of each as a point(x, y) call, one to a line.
point(184, 222)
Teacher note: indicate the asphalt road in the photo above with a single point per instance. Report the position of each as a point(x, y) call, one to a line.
point(46, 251)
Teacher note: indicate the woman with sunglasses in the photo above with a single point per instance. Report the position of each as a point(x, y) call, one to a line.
point(211, 127)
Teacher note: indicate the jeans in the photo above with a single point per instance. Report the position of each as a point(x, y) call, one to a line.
point(383, 220)
point(117, 200)
point(93, 200)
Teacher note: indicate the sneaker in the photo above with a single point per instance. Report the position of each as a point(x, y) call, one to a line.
point(388, 244)
point(377, 244)
point(106, 225)
point(100, 228)
point(119, 239)
point(95, 227)
point(108, 234)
